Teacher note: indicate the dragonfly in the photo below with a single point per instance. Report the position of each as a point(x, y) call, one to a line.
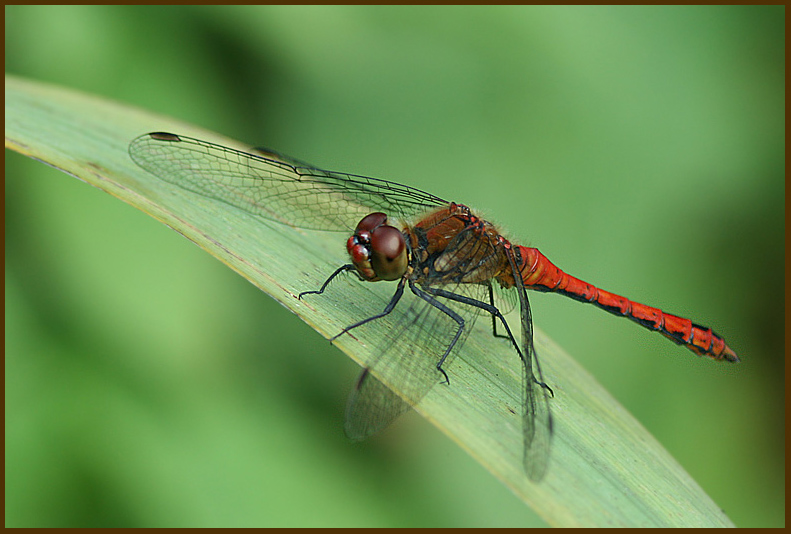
point(456, 264)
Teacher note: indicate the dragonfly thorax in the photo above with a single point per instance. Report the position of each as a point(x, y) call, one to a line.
point(378, 250)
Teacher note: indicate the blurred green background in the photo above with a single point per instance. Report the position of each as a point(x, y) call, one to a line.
point(641, 149)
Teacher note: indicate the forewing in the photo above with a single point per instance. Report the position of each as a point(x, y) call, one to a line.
point(273, 187)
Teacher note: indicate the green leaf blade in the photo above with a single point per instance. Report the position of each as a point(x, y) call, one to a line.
point(605, 468)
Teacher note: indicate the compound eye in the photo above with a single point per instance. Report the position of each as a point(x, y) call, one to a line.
point(370, 222)
point(388, 252)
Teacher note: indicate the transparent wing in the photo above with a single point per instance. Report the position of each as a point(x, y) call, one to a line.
point(372, 406)
point(536, 416)
point(275, 187)
point(408, 358)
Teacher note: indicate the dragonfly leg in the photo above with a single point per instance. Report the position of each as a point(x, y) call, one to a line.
point(450, 313)
point(339, 270)
point(544, 385)
point(390, 306)
point(494, 317)
point(490, 308)
point(494, 331)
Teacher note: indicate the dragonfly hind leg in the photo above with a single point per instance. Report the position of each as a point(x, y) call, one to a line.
point(494, 316)
point(537, 382)
point(489, 308)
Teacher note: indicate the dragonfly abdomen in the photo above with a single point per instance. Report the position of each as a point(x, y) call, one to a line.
point(540, 274)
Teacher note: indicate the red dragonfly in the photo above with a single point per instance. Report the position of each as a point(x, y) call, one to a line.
point(456, 264)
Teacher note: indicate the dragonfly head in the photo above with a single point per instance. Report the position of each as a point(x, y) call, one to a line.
point(378, 250)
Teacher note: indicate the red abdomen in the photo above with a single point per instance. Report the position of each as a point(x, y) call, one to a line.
point(540, 274)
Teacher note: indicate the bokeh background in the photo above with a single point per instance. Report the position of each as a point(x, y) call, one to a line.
point(641, 149)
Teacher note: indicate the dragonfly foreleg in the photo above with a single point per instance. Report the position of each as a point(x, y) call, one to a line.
point(339, 270)
point(390, 306)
